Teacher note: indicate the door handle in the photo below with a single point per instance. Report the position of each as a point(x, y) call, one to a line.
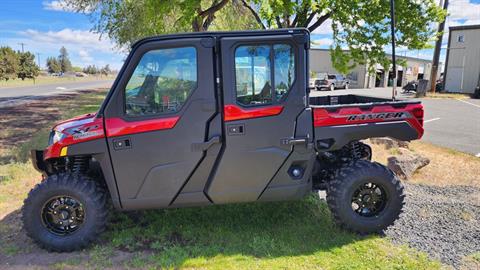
point(197, 147)
point(294, 141)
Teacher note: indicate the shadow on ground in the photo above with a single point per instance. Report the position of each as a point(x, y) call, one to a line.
point(167, 238)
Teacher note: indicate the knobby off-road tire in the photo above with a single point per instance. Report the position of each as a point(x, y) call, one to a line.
point(87, 198)
point(361, 175)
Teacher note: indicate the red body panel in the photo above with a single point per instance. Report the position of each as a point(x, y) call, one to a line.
point(234, 112)
point(412, 113)
point(80, 129)
point(118, 127)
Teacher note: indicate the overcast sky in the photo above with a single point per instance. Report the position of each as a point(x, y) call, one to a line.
point(44, 26)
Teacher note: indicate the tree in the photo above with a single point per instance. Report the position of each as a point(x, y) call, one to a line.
point(64, 60)
point(77, 69)
point(27, 67)
point(128, 21)
point(53, 65)
point(91, 69)
point(8, 63)
point(105, 70)
point(360, 27)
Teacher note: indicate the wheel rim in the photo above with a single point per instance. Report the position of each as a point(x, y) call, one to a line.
point(63, 215)
point(332, 87)
point(369, 200)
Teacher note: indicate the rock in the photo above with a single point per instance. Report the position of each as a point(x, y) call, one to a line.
point(407, 163)
point(389, 143)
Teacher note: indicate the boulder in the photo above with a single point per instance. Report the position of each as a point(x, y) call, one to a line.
point(389, 143)
point(407, 163)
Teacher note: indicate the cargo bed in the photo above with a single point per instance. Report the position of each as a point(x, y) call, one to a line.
point(339, 119)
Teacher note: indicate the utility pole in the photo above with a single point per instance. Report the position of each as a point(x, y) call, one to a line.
point(22, 44)
point(38, 57)
point(394, 64)
point(436, 53)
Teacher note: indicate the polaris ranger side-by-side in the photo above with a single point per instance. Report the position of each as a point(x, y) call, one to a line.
point(214, 118)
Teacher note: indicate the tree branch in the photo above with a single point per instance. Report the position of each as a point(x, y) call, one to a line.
point(279, 23)
point(294, 22)
point(214, 8)
point(254, 13)
point(319, 22)
point(310, 18)
point(208, 21)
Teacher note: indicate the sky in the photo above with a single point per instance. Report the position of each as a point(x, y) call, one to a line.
point(44, 26)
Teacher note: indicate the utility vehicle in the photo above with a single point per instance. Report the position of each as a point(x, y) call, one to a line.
point(214, 118)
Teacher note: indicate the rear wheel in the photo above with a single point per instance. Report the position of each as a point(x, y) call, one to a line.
point(65, 212)
point(365, 197)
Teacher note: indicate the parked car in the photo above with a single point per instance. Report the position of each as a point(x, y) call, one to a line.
point(214, 146)
point(332, 82)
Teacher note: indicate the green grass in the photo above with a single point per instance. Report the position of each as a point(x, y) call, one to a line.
point(281, 235)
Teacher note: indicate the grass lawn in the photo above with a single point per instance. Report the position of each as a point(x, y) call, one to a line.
point(282, 235)
point(49, 80)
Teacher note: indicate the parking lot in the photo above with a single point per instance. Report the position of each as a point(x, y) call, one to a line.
point(449, 122)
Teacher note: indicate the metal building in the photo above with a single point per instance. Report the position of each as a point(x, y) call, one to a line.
point(462, 70)
point(414, 69)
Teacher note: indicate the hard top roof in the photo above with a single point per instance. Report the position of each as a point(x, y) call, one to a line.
point(220, 34)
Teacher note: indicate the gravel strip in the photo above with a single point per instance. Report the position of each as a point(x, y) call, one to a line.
point(442, 221)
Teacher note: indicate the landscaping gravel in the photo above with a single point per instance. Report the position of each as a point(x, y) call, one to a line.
point(442, 221)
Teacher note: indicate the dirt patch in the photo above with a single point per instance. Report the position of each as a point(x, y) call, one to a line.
point(23, 122)
point(447, 167)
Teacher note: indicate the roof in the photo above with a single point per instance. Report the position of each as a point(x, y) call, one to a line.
point(465, 27)
point(221, 34)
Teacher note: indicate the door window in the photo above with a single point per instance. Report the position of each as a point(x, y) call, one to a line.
point(256, 82)
point(284, 69)
point(162, 82)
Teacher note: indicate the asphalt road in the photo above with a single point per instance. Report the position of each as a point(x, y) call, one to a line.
point(452, 123)
point(15, 96)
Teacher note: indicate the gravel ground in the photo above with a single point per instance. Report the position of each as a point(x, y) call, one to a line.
point(442, 221)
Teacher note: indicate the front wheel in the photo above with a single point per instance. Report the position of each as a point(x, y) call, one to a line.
point(346, 86)
point(365, 197)
point(66, 212)
point(332, 87)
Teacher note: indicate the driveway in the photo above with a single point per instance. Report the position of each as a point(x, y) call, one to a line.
point(452, 123)
point(15, 96)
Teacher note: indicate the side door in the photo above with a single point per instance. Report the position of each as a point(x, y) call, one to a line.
point(265, 90)
point(157, 120)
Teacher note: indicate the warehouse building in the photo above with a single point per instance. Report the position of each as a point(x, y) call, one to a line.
point(462, 69)
point(414, 69)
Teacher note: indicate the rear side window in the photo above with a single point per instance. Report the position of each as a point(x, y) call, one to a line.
point(253, 75)
point(161, 82)
point(264, 74)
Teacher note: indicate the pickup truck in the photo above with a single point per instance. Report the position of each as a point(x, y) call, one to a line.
point(330, 82)
point(214, 118)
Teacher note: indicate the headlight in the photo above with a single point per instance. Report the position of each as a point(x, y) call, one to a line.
point(56, 136)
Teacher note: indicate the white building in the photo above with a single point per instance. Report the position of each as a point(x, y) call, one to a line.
point(462, 70)
point(414, 69)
